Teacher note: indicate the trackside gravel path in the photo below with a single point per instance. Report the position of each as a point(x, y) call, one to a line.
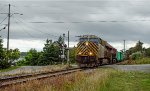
point(141, 68)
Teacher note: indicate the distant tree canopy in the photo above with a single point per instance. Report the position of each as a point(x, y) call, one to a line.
point(147, 52)
point(13, 54)
point(3, 61)
point(2, 54)
point(138, 51)
point(138, 48)
point(7, 57)
point(32, 57)
point(60, 41)
point(72, 54)
point(50, 54)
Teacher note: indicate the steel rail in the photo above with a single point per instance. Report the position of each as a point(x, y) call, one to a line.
point(7, 81)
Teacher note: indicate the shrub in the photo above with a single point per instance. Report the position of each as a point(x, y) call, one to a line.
point(137, 55)
point(22, 63)
point(4, 64)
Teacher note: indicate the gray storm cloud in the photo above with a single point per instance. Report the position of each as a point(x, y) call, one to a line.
point(113, 20)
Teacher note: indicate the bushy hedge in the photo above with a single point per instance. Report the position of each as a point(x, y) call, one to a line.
point(137, 55)
point(4, 64)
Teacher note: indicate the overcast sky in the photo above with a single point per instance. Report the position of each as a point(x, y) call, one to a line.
point(112, 20)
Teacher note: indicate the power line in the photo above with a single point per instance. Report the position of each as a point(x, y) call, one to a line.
point(23, 28)
point(3, 20)
point(89, 21)
point(8, 33)
point(3, 27)
point(80, 12)
point(72, 36)
point(98, 21)
point(81, 1)
point(35, 29)
point(2, 9)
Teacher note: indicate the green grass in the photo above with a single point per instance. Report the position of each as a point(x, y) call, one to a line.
point(102, 79)
point(143, 61)
point(9, 69)
point(127, 81)
point(80, 81)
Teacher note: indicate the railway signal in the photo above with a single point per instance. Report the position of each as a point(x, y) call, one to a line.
point(63, 49)
point(68, 60)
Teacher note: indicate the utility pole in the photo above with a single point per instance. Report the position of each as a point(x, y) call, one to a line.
point(8, 29)
point(68, 50)
point(124, 45)
point(124, 49)
point(8, 34)
point(63, 56)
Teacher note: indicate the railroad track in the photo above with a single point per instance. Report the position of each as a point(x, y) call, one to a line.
point(7, 81)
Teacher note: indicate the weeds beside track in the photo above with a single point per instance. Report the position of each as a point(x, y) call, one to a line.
point(7, 81)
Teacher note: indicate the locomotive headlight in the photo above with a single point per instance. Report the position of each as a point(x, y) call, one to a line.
point(91, 53)
point(86, 43)
point(80, 53)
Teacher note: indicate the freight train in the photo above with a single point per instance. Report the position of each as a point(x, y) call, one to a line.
point(93, 51)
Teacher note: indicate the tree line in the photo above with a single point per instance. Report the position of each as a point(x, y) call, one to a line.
point(138, 51)
point(51, 54)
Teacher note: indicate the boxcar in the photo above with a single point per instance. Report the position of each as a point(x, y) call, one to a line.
point(119, 56)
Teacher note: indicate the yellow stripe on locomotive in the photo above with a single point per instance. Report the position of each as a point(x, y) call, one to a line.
point(87, 48)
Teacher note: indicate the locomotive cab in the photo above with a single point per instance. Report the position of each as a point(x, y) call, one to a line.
point(92, 50)
point(87, 50)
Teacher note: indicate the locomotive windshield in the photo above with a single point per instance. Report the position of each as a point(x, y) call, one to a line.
point(95, 40)
point(83, 39)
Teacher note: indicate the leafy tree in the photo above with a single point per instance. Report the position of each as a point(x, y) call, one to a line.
point(13, 54)
point(60, 41)
point(137, 55)
point(44, 58)
point(72, 54)
point(50, 54)
point(2, 54)
point(139, 46)
point(3, 62)
point(147, 52)
point(32, 57)
point(22, 63)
